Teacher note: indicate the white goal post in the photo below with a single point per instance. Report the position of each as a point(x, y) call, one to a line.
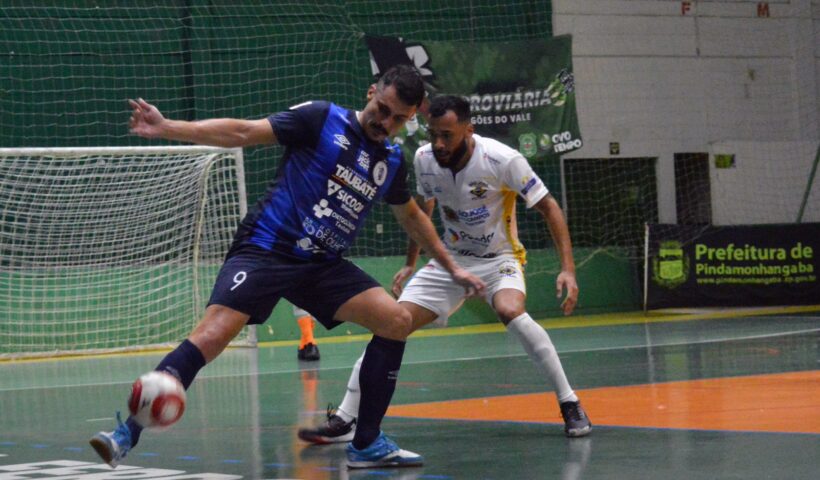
point(115, 248)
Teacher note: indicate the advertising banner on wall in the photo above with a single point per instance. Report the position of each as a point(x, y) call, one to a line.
point(750, 265)
point(521, 93)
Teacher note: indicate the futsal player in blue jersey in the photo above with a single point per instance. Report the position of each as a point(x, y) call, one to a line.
point(337, 164)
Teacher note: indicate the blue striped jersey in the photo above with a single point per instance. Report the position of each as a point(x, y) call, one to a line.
point(329, 177)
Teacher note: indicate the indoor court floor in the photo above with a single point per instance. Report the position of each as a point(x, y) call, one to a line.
point(704, 395)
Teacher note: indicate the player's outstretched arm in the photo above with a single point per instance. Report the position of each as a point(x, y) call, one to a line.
point(413, 251)
point(557, 224)
point(421, 229)
point(147, 121)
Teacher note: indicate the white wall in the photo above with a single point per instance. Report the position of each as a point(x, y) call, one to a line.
point(660, 81)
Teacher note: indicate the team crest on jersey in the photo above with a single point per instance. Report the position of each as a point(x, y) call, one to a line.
point(450, 213)
point(478, 189)
point(380, 172)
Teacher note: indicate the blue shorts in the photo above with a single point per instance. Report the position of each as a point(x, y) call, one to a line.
point(253, 280)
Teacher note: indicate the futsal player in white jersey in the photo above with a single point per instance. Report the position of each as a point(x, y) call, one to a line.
point(475, 181)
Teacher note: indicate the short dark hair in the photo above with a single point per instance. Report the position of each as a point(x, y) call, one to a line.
point(441, 104)
point(408, 83)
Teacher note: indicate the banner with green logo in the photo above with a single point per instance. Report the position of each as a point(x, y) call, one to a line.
point(748, 265)
point(521, 93)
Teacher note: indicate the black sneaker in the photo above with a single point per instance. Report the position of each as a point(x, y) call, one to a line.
point(308, 353)
point(576, 422)
point(335, 430)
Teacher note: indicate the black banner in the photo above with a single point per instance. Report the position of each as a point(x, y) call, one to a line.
point(750, 265)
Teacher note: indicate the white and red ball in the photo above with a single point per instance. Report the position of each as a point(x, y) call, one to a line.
point(157, 400)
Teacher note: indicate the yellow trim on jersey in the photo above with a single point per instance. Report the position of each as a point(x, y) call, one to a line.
point(511, 226)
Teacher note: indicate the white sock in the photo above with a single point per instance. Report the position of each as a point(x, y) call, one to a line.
point(539, 347)
point(349, 408)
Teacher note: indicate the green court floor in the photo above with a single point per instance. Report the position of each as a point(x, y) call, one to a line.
point(244, 409)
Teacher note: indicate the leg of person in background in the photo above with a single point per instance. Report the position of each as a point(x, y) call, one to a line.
point(308, 350)
point(508, 304)
point(341, 422)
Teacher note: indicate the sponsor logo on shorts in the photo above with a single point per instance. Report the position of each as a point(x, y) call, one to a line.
point(508, 270)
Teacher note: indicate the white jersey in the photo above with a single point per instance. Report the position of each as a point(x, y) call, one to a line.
point(477, 206)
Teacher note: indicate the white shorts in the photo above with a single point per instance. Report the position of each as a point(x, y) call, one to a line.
point(433, 288)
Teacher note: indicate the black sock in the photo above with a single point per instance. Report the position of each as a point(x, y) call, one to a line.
point(377, 380)
point(135, 429)
point(183, 363)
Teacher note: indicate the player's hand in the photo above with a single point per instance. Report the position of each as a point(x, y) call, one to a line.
point(566, 282)
point(471, 283)
point(399, 278)
point(145, 119)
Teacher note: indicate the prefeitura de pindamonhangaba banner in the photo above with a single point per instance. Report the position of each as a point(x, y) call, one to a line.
point(521, 93)
point(733, 265)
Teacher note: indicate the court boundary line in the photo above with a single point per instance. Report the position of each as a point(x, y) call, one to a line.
point(581, 321)
point(459, 359)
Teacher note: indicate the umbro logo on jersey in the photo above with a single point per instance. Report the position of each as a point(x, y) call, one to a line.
point(341, 141)
point(322, 210)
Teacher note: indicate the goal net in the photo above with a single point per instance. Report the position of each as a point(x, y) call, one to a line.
point(112, 248)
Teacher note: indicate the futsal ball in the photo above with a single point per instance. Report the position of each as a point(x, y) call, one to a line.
point(157, 400)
